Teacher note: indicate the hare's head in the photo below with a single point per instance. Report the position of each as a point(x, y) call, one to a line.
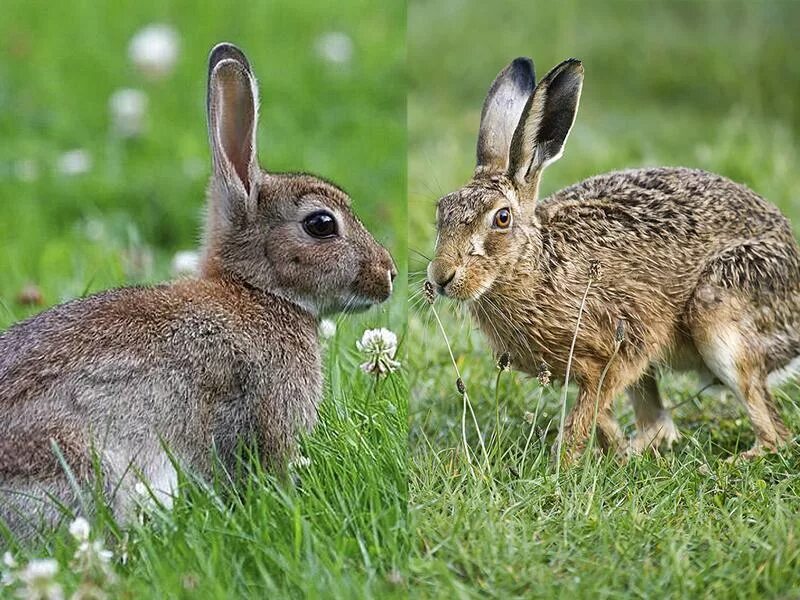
point(294, 235)
point(487, 226)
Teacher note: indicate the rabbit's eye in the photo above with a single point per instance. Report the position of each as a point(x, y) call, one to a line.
point(320, 224)
point(502, 219)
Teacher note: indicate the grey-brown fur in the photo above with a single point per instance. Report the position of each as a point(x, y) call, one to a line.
point(194, 366)
point(703, 273)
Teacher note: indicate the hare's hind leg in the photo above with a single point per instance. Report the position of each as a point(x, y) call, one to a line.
point(729, 342)
point(654, 425)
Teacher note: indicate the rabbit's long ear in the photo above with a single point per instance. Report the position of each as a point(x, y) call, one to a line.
point(232, 105)
point(545, 124)
point(501, 112)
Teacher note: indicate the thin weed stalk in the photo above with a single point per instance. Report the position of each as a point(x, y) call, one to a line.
point(563, 416)
point(460, 385)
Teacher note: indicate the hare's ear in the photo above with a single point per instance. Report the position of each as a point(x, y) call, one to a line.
point(232, 105)
point(501, 112)
point(545, 124)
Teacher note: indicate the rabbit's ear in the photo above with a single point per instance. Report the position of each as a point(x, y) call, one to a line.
point(501, 112)
point(232, 105)
point(546, 122)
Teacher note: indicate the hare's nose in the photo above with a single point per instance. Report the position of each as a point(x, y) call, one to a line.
point(441, 274)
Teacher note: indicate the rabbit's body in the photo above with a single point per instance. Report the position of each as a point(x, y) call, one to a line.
point(693, 270)
point(127, 373)
point(135, 379)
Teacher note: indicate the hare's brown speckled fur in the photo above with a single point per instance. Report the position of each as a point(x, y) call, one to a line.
point(197, 365)
point(704, 272)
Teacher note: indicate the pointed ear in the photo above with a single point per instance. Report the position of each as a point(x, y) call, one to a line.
point(501, 112)
point(232, 105)
point(545, 123)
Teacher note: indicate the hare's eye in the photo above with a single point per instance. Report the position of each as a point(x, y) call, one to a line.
point(320, 224)
point(502, 219)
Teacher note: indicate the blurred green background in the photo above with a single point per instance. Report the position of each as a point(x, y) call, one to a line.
point(332, 81)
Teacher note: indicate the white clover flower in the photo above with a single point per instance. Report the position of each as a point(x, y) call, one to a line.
point(327, 329)
point(127, 107)
point(185, 262)
point(379, 346)
point(38, 580)
point(154, 50)
point(8, 578)
point(335, 47)
point(74, 162)
point(79, 529)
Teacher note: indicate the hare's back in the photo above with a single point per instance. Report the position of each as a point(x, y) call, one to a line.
point(672, 208)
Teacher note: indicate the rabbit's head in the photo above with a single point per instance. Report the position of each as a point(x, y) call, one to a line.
point(488, 226)
point(291, 234)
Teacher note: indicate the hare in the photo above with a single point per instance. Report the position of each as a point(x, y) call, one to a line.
point(683, 268)
point(135, 378)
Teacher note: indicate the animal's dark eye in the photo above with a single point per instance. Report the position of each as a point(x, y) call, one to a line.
point(320, 224)
point(502, 219)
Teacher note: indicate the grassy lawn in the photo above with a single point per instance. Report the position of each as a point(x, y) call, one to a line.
point(340, 529)
point(703, 84)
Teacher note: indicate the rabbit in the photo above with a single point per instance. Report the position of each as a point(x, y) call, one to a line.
point(684, 269)
point(137, 377)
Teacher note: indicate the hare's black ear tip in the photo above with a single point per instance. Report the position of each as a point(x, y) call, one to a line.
point(522, 62)
point(575, 64)
point(521, 69)
point(226, 51)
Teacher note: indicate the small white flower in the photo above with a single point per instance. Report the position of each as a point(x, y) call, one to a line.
point(335, 47)
point(74, 162)
point(327, 329)
point(8, 578)
point(39, 569)
point(379, 346)
point(79, 529)
point(185, 262)
point(127, 107)
point(38, 580)
point(154, 50)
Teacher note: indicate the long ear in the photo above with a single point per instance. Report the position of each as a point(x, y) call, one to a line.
point(546, 122)
point(501, 112)
point(232, 105)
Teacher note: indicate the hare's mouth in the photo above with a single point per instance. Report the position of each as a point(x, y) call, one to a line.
point(463, 288)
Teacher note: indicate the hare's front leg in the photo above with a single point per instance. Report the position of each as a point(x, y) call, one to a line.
point(592, 409)
point(654, 425)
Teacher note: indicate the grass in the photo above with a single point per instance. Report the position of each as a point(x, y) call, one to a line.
point(702, 84)
point(340, 529)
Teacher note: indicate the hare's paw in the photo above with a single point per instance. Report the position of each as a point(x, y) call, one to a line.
point(655, 435)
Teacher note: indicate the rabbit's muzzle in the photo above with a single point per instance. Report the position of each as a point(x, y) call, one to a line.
point(376, 278)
